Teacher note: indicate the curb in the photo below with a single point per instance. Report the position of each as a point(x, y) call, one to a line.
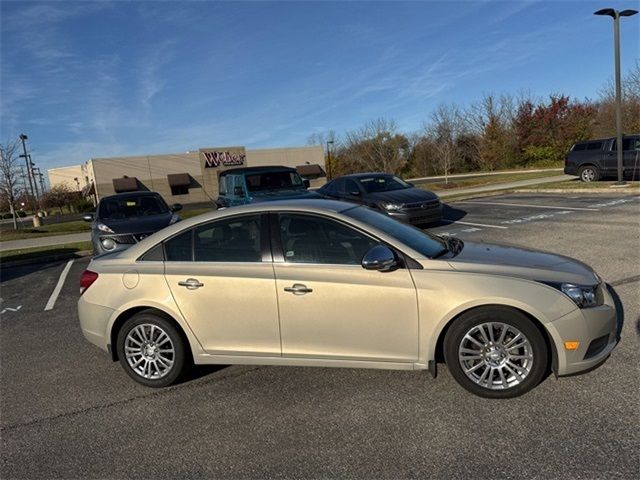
point(616, 191)
point(45, 259)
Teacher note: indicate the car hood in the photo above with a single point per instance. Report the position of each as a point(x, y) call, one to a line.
point(151, 223)
point(283, 194)
point(523, 263)
point(405, 195)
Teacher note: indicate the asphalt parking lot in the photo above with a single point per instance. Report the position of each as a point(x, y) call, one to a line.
point(68, 411)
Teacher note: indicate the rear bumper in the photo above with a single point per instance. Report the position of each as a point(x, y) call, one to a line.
point(570, 169)
point(93, 322)
point(595, 328)
point(419, 216)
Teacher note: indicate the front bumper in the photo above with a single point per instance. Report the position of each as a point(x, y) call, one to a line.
point(595, 328)
point(419, 216)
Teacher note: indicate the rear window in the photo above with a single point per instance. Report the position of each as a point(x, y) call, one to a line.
point(594, 146)
point(579, 146)
point(273, 181)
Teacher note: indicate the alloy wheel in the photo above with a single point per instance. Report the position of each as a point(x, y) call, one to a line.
point(149, 351)
point(495, 355)
point(588, 175)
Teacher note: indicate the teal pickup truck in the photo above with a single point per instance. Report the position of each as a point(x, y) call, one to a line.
point(239, 186)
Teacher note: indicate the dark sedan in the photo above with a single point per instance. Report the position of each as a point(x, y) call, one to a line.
point(390, 194)
point(124, 219)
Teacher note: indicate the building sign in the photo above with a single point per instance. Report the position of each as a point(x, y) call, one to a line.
point(223, 157)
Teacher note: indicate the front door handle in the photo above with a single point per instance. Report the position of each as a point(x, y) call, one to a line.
point(191, 283)
point(298, 289)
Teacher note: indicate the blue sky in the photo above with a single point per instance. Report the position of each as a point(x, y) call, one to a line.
point(95, 79)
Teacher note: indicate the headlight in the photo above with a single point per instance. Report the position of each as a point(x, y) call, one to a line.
point(583, 296)
point(103, 228)
point(108, 243)
point(391, 206)
point(174, 218)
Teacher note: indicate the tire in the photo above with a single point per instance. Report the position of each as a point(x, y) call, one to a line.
point(157, 367)
point(589, 173)
point(494, 354)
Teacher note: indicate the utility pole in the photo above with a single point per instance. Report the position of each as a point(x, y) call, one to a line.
point(23, 137)
point(33, 176)
point(41, 177)
point(329, 142)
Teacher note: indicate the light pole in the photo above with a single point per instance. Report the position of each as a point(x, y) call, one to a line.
point(329, 142)
point(615, 14)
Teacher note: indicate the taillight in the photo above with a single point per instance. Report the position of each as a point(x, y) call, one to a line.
point(86, 280)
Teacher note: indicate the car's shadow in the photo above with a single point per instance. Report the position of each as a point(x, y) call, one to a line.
point(198, 371)
point(449, 215)
point(619, 311)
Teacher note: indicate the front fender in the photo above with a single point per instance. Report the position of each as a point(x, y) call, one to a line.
point(444, 295)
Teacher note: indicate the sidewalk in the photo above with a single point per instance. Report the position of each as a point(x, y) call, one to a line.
point(503, 186)
point(45, 241)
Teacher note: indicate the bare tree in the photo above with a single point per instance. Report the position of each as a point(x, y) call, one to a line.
point(377, 147)
point(9, 176)
point(444, 130)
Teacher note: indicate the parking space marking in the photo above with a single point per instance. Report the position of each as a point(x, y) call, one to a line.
point(474, 224)
point(56, 291)
point(533, 206)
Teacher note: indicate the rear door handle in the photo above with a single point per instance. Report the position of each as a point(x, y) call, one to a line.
point(191, 283)
point(298, 289)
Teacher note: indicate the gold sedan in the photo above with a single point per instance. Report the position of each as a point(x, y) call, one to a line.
point(326, 283)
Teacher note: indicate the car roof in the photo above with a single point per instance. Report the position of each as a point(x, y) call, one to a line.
point(627, 135)
point(250, 170)
point(141, 193)
point(367, 174)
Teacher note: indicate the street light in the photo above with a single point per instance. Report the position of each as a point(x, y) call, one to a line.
point(329, 142)
point(27, 159)
point(615, 14)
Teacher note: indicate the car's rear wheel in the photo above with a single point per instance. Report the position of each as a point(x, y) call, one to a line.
point(589, 173)
point(151, 350)
point(496, 352)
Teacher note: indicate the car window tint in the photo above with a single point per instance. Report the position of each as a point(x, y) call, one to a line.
point(178, 248)
point(230, 240)
point(579, 146)
point(594, 146)
point(631, 144)
point(350, 186)
point(311, 239)
point(337, 186)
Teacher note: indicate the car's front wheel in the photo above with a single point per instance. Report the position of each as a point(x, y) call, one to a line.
point(496, 352)
point(151, 350)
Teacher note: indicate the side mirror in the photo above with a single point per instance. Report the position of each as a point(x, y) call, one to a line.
point(379, 258)
point(88, 217)
point(176, 207)
point(306, 183)
point(238, 191)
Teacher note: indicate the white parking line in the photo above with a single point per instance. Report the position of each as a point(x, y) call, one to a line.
point(534, 206)
point(56, 291)
point(474, 224)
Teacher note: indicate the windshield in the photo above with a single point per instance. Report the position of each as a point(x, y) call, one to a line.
point(131, 206)
point(385, 183)
point(273, 181)
point(426, 244)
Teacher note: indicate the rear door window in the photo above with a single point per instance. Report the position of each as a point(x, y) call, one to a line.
point(231, 240)
point(594, 146)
